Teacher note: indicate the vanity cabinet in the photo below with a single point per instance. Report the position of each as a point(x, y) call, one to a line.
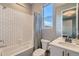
point(71, 53)
point(57, 51)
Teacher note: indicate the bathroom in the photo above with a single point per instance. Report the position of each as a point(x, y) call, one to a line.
point(39, 29)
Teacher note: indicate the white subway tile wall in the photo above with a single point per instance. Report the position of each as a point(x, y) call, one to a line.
point(15, 29)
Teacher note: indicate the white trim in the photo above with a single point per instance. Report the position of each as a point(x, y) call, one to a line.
point(61, 24)
point(43, 27)
point(76, 20)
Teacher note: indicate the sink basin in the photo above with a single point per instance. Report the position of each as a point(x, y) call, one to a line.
point(68, 44)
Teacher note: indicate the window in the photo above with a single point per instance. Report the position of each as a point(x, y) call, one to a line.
point(47, 15)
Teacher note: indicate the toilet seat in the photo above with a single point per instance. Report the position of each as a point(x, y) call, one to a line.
point(39, 52)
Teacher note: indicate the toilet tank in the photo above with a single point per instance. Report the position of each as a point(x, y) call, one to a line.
point(45, 44)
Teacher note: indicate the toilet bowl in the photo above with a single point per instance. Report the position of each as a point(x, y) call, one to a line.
point(41, 51)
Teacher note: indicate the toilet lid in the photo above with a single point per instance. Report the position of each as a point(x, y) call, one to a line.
point(39, 52)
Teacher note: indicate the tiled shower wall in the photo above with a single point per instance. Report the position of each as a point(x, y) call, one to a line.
point(15, 27)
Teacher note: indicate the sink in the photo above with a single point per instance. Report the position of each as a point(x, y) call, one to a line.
point(67, 44)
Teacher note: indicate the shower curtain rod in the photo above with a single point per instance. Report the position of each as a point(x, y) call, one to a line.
point(20, 5)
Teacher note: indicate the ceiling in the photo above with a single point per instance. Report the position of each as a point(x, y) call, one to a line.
point(59, 4)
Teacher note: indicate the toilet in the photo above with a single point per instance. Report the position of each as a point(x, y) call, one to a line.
point(41, 51)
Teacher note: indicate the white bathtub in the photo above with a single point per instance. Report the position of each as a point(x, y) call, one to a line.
point(25, 49)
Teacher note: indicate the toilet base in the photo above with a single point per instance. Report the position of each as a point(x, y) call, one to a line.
point(39, 52)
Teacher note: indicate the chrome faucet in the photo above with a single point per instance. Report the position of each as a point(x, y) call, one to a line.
point(68, 39)
point(2, 41)
point(3, 44)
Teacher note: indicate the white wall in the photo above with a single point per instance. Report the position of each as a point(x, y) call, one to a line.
point(15, 25)
point(37, 7)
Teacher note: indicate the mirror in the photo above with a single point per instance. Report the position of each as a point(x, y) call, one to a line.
point(69, 22)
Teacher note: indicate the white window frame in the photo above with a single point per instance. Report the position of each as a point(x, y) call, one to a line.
point(44, 27)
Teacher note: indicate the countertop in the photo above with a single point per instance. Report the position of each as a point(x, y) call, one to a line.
point(74, 48)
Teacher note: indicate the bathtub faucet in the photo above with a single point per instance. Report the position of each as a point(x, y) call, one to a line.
point(2, 41)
